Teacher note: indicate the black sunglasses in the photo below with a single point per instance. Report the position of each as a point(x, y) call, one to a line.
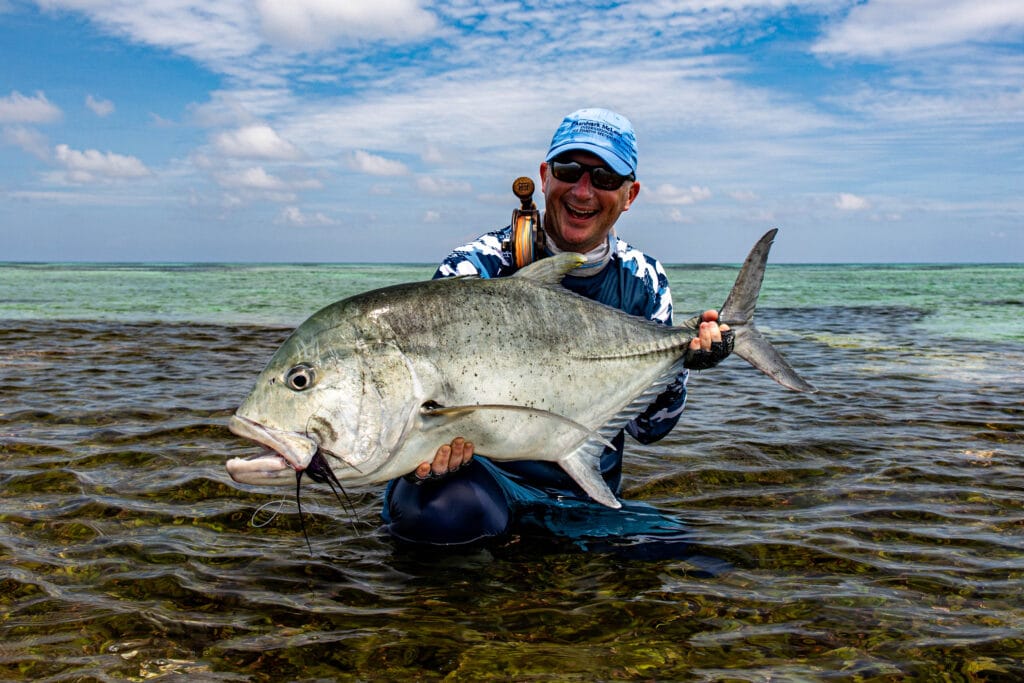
point(601, 177)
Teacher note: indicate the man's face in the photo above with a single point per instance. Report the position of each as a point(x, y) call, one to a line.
point(578, 216)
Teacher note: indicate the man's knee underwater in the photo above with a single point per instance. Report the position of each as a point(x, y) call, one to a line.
point(462, 507)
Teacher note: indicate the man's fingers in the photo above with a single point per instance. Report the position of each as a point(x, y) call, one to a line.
point(441, 458)
point(448, 458)
point(709, 332)
point(458, 446)
point(462, 451)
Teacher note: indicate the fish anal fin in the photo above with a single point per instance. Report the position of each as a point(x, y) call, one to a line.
point(584, 466)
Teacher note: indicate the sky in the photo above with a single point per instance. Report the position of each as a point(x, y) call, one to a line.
point(391, 131)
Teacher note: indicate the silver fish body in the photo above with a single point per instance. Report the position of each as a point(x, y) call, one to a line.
point(520, 366)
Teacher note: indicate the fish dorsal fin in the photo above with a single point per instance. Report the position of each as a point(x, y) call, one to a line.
point(550, 271)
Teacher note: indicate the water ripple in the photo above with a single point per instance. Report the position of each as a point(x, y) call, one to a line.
point(875, 531)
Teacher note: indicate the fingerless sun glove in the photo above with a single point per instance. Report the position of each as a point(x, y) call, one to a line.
point(703, 360)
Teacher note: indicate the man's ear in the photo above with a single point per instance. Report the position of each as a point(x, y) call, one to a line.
point(634, 190)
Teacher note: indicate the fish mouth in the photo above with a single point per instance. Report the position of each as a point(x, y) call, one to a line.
point(291, 453)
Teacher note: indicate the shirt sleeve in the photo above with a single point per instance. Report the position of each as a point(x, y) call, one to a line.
point(661, 417)
point(483, 257)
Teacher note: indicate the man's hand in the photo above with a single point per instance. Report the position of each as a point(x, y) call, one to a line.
point(712, 345)
point(448, 458)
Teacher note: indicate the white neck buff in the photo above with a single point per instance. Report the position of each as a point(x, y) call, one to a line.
point(597, 258)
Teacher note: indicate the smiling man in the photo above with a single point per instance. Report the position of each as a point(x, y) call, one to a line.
point(589, 179)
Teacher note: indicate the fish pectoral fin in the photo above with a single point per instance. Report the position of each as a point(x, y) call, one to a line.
point(433, 409)
point(584, 466)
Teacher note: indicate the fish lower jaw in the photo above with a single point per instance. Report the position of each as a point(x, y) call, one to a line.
point(296, 450)
point(266, 469)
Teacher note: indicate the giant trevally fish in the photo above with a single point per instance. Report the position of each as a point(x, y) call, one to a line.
point(370, 386)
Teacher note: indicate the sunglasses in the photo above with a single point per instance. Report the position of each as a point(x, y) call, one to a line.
point(601, 177)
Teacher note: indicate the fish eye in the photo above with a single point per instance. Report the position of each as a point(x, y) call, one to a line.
point(300, 378)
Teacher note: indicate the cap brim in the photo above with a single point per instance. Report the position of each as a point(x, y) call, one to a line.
point(610, 158)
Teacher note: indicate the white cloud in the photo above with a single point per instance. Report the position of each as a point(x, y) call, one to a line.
point(744, 196)
point(94, 166)
point(883, 27)
point(851, 202)
point(210, 32)
point(16, 108)
point(372, 164)
point(433, 155)
point(316, 24)
point(293, 215)
point(257, 178)
point(255, 142)
point(101, 108)
point(28, 139)
point(441, 186)
point(677, 216)
point(670, 194)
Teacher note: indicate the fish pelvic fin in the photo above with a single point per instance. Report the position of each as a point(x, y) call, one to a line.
point(738, 313)
point(550, 271)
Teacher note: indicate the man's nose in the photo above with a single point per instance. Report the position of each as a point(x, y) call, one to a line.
point(582, 187)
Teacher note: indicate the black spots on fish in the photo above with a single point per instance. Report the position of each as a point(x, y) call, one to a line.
point(301, 377)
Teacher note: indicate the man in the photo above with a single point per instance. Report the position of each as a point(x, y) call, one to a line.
point(588, 179)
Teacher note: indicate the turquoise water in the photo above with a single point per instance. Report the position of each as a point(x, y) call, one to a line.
point(875, 530)
point(966, 301)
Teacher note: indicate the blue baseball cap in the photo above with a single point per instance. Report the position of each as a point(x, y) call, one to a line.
point(601, 132)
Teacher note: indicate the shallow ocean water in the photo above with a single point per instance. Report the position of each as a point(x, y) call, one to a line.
point(871, 532)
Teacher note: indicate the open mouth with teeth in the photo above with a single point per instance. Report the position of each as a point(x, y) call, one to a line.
point(580, 214)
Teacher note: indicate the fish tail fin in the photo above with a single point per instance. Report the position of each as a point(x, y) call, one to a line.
point(752, 347)
point(738, 313)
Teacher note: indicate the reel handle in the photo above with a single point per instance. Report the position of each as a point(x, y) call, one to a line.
point(527, 242)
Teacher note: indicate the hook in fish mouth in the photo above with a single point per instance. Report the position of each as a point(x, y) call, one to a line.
point(320, 471)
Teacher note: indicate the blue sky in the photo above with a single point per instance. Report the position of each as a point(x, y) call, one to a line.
point(330, 130)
